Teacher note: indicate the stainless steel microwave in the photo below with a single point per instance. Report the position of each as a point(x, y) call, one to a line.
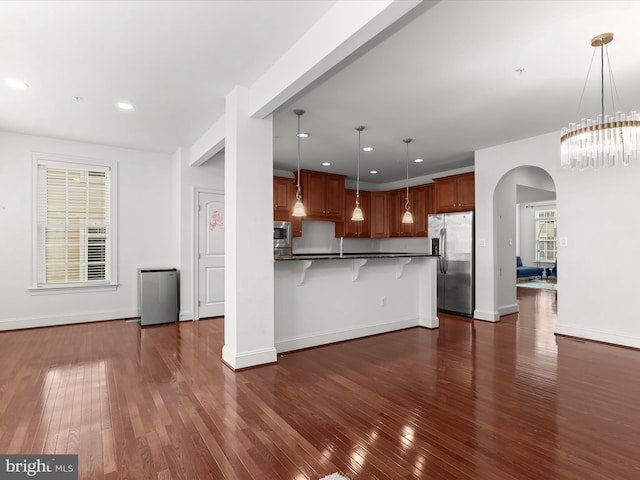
point(281, 239)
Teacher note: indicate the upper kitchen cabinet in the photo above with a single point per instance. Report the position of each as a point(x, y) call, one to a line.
point(379, 224)
point(431, 198)
point(455, 193)
point(419, 209)
point(349, 228)
point(284, 197)
point(397, 201)
point(322, 195)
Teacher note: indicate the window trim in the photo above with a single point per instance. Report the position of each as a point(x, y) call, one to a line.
point(41, 158)
point(539, 218)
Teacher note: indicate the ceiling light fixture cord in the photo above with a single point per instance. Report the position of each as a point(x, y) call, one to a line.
point(602, 79)
point(298, 138)
point(406, 204)
point(612, 82)
point(407, 217)
point(357, 215)
point(298, 208)
point(360, 129)
point(586, 80)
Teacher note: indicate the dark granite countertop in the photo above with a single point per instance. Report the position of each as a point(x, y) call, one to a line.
point(349, 256)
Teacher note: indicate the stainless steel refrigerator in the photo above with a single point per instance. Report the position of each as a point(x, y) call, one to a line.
point(451, 236)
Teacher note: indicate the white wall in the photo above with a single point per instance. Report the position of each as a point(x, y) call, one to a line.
point(147, 225)
point(330, 305)
point(504, 205)
point(596, 292)
point(210, 176)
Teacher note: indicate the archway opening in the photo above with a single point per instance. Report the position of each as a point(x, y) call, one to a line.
point(522, 199)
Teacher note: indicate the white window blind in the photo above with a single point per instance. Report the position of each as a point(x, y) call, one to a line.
point(546, 241)
point(74, 234)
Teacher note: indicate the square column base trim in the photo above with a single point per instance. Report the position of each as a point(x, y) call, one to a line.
point(486, 315)
point(248, 359)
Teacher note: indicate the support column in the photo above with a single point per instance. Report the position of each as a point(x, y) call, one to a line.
point(248, 182)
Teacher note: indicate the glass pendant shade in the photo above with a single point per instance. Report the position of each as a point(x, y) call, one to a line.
point(606, 141)
point(357, 214)
point(407, 217)
point(298, 209)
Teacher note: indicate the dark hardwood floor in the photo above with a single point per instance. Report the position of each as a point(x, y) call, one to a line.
point(471, 400)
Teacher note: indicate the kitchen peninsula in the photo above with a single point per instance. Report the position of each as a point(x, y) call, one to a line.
point(325, 298)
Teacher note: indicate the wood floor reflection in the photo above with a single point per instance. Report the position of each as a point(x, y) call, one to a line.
point(471, 400)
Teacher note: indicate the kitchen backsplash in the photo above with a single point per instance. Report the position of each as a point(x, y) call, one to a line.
point(319, 237)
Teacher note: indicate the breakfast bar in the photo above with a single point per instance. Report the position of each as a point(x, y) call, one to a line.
point(326, 298)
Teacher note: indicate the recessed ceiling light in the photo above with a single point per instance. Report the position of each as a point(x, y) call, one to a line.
point(125, 106)
point(418, 160)
point(373, 172)
point(304, 135)
point(367, 149)
point(326, 164)
point(15, 83)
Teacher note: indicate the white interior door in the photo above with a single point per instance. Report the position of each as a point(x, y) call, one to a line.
point(210, 255)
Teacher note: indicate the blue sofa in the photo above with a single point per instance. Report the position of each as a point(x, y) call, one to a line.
point(553, 271)
point(526, 272)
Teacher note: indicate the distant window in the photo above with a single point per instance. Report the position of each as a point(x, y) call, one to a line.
point(546, 242)
point(74, 240)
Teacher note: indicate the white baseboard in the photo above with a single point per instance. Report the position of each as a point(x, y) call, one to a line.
point(64, 319)
point(508, 309)
point(185, 316)
point(429, 322)
point(486, 315)
point(323, 338)
point(249, 359)
point(598, 335)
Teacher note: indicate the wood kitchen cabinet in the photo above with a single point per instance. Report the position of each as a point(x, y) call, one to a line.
point(455, 193)
point(397, 201)
point(418, 199)
point(379, 205)
point(284, 198)
point(322, 195)
point(349, 228)
point(431, 198)
point(419, 209)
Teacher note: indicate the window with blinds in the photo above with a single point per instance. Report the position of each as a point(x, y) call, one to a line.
point(74, 235)
point(546, 241)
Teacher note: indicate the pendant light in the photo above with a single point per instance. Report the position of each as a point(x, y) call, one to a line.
point(298, 208)
point(407, 217)
point(606, 141)
point(357, 212)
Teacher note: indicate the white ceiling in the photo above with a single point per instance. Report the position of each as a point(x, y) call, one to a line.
point(445, 75)
point(448, 80)
point(174, 60)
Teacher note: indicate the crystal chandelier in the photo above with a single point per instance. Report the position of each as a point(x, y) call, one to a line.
point(606, 141)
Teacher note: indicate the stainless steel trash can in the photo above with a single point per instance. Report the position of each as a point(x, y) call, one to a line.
point(158, 295)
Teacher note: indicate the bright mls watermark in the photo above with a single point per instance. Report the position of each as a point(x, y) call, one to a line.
point(50, 467)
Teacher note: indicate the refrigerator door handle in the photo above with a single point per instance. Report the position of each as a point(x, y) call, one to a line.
point(440, 258)
point(445, 263)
